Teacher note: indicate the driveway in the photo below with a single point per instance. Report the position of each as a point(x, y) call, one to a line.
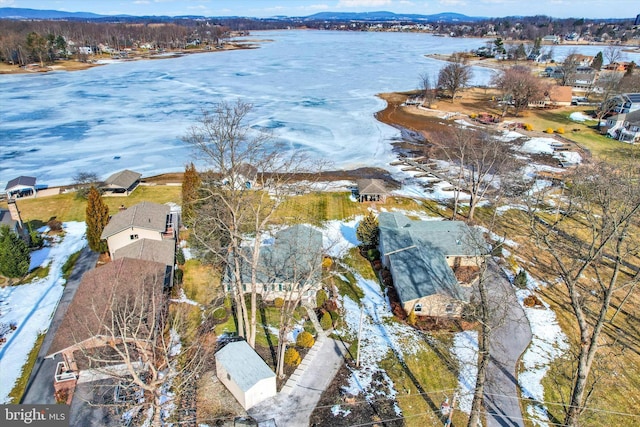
point(295, 407)
point(40, 385)
point(511, 334)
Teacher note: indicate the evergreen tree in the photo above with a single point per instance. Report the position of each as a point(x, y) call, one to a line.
point(190, 186)
point(14, 254)
point(97, 217)
point(325, 321)
point(597, 62)
point(367, 231)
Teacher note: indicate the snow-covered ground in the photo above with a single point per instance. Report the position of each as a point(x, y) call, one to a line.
point(465, 349)
point(32, 305)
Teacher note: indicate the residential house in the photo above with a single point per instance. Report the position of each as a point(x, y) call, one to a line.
point(583, 79)
point(121, 183)
point(22, 186)
point(372, 190)
point(624, 127)
point(131, 286)
point(289, 268)
point(245, 374)
point(422, 256)
point(551, 39)
point(556, 96)
point(12, 219)
point(146, 220)
point(242, 176)
point(626, 103)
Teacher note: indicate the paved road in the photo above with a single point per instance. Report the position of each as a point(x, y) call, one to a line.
point(295, 407)
point(511, 336)
point(40, 385)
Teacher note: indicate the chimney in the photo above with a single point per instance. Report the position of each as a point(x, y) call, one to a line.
point(14, 212)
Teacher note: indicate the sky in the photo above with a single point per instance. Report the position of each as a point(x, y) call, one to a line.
point(266, 8)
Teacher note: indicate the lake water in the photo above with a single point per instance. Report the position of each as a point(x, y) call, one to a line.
point(315, 90)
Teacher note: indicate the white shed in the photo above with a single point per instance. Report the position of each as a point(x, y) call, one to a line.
point(245, 374)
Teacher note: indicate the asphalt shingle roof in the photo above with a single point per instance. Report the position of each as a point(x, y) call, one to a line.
point(122, 180)
point(147, 215)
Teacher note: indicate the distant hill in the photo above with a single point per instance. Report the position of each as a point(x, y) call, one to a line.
point(382, 16)
point(20, 13)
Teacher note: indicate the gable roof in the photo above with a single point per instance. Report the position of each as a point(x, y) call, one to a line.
point(98, 290)
point(147, 215)
point(295, 256)
point(243, 364)
point(123, 179)
point(371, 186)
point(20, 182)
point(163, 251)
point(633, 118)
point(560, 93)
point(418, 251)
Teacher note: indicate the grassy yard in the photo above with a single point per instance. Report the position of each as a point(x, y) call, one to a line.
point(66, 207)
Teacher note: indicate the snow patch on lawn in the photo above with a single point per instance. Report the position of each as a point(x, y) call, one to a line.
point(579, 116)
point(465, 349)
point(31, 306)
point(339, 236)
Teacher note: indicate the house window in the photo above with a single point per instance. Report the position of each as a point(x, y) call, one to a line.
point(229, 376)
point(449, 309)
point(417, 307)
point(280, 286)
point(133, 236)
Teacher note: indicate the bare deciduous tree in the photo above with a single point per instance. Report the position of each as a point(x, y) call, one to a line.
point(589, 234)
point(427, 86)
point(248, 177)
point(455, 76)
point(518, 87)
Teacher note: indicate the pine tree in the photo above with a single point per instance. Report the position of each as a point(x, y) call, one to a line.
point(190, 185)
point(367, 231)
point(597, 62)
point(14, 254)
point(97, 217)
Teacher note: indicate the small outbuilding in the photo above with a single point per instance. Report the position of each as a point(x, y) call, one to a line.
point(22, 186)
point(245, 374)
point(372, 190)
point(121, 183)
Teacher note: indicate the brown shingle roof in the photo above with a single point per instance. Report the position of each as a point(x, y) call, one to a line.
point(163, 251)
point(147, 215)
point(122, 180)
point(371, 186)
point(99, 290)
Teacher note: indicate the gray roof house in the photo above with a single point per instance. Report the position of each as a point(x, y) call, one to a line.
point(421, 256)
point(291, 265)
point(121, 183)
point(21, 186)
point(245, 374)
point(372, 190)
point(624, 127)
point(144, 221)
point(627, 103)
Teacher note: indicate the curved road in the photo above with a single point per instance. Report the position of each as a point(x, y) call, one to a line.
point(511, 334)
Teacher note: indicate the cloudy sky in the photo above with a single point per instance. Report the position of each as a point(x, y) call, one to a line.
point(265, 8)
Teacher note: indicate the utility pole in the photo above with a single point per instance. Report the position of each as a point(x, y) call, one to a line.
point(359, 335)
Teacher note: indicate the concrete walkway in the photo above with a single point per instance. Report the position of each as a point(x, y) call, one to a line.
point(300, 395)
point(40, 385)
point(511, 334)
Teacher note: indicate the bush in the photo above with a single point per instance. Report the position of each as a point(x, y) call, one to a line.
point(412, 318)
point(178, 275)
point(549, 130)
point(473, 115)
point(292, 357)
point(305, 340)
point(528, 126)
point(321, 298)
point(54, 225)
point(334, 316)
point(560, 131)
point(373, 254)
point(327, 263)
point(180, 256)
point(35, 239)
point(326, 321)
point(278, 302)
point(521, 279)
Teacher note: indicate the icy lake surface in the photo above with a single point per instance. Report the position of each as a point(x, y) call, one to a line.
point(315, 90)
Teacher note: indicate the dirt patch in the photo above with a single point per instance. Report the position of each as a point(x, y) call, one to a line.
point(214, 402)
point(336, 408)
